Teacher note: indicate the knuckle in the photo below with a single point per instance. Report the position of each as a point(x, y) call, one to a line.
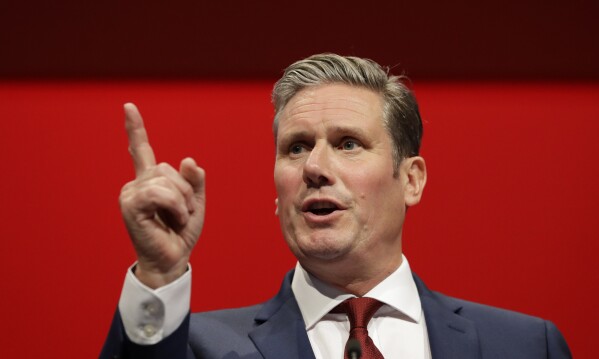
point(187, 190)
point(127, 188)
point(160, 181)
point(152, 193)
point(159, 195)
point(125, 201)
point(163, 168)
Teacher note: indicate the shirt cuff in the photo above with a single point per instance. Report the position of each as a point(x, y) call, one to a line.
point(150, 315)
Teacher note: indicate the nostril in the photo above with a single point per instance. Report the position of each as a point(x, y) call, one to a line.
point(316, 181)
point(316, 171)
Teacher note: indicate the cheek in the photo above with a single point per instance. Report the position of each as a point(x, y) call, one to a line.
point(375, 191)
point(287, 184)
point(364, 184)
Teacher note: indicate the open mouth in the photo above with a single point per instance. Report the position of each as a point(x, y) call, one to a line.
point(322, 208)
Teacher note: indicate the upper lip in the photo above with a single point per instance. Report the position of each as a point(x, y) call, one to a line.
point(321, 202)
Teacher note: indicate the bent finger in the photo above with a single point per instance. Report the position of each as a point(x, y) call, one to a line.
point(176, 179)
point(158, 199)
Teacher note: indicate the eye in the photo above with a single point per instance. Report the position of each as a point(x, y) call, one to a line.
point(296, 148)
point(349, 144)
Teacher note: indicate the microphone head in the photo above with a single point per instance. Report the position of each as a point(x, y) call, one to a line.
point(353, 349)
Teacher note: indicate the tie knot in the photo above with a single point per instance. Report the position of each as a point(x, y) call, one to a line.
point(358, 310)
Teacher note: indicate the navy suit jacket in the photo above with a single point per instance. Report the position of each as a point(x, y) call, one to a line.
point(457, 329)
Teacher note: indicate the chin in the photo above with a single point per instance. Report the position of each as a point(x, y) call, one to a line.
point(320, 248)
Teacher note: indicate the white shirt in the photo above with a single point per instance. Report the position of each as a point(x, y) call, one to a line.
point(398, 328)
point(150, 315)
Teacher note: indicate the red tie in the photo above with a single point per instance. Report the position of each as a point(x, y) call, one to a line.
point(360, 311)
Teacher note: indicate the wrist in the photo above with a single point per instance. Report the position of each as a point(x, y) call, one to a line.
point(155, 278)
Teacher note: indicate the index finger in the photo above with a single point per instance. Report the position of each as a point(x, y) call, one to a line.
point(139, 146)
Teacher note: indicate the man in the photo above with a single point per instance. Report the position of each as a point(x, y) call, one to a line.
point(347, 168)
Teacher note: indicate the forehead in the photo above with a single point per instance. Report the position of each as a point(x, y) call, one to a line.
point(336, 104)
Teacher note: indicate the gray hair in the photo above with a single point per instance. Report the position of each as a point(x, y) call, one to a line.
point(400, 110)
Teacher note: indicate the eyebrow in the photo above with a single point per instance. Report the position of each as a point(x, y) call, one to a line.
point(348, 131)
point(341, 131)
point(292, 137)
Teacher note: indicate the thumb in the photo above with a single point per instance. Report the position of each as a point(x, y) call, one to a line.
point(194, 175)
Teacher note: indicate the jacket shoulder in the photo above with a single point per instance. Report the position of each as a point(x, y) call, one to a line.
point(486, 314)
point(511, 333)
point(500, 333)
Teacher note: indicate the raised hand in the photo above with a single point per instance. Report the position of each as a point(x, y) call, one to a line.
point(163, 208)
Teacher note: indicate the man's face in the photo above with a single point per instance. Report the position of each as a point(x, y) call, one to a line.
point(338, 197)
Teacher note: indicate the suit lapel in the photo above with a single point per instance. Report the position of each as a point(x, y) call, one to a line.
point(450, 335)
point(281, 332)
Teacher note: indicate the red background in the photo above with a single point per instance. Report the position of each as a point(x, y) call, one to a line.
point(508, 90)
point(508, 216)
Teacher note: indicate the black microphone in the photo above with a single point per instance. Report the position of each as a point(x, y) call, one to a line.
point(353, 349)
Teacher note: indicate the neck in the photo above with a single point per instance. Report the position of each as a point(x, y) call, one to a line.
point(355, 278)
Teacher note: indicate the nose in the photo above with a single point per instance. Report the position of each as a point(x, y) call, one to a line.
point(317, 168)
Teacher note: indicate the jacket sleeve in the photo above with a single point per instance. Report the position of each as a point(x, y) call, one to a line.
point(118, 345)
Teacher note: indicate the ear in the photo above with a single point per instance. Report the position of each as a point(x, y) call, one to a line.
point(276, 206)
point(414, 179)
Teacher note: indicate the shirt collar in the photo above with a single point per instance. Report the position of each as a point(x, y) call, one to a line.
point(316, 298)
